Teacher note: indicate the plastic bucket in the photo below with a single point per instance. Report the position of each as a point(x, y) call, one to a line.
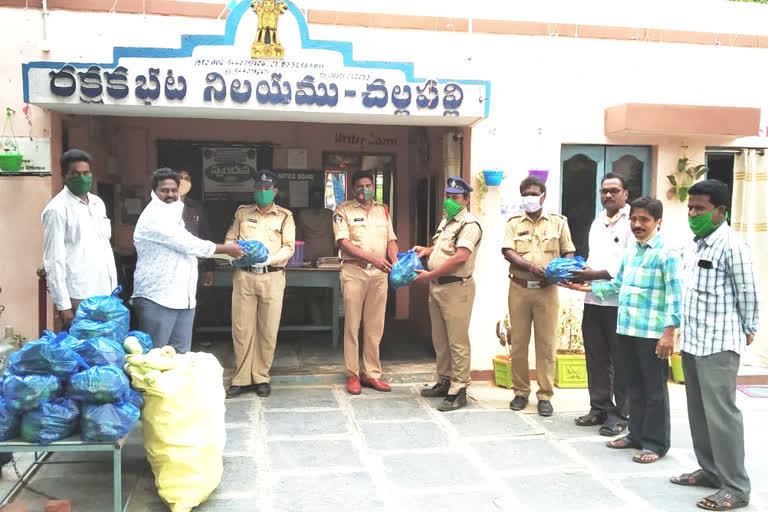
point(297, 260)
point(539, 173)
point(493, 178)
point(10, 162)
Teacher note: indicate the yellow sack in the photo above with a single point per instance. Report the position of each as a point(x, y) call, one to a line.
point(183, 420)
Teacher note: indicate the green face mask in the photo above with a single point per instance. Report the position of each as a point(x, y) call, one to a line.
point(79, 184)
point(702, 225)
point(264, 197)
point(363, 194)
point(452, 208)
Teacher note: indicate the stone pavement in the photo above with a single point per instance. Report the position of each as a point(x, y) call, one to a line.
point(315, 448)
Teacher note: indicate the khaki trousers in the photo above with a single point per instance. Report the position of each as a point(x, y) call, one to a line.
point(450, 309)
point(365, 300)
point(542, 306)
point(257, 303)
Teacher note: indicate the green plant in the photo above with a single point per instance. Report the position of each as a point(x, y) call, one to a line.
point(688, 172)
point(482, 189)
point(569, 326)
point(504, 333)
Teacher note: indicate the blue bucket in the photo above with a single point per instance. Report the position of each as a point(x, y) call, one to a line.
point(493, 178)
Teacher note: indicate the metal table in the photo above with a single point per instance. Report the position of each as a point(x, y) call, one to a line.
point(70, 444)
point(298, 277)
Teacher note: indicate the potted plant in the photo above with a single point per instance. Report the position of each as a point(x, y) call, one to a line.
point(571, 364)
point(502, 363)
point(688, 172)
point(480, 190)
point(10, 158)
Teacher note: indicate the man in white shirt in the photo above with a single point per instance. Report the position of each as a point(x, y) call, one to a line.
point(165, 281)
point(77, 254)
point(609, 237)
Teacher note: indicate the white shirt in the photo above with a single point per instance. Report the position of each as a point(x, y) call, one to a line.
point(77, 255)
point(607, 244)
point(166, 269)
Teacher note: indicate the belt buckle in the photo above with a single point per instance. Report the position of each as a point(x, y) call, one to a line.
point(533, 284)
point(258, 270)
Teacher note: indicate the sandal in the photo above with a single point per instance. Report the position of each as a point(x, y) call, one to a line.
point(698, 478)
point(589, 420)
point(612, 430)
point(646, 457)
point(621, 443)
point(723, 500)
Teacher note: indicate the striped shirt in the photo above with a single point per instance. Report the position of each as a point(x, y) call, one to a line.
point(608, 241)
point(77, 255)
point(720, 298)
point(649, 288)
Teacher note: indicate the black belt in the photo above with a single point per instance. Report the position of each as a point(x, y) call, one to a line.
point(450, 279)
point(269, 269)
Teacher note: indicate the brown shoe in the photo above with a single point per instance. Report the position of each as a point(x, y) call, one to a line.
point(353, 385)
point(377, 384)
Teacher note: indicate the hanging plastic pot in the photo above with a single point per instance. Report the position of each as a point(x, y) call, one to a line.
point(10, 158)
point(493, 178)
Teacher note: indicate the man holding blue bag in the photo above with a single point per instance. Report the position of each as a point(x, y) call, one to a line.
point(452, 293)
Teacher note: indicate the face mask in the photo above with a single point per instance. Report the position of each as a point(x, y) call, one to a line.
point(530, 204)
point(702, 225)
point(452, 208)
point(184, 187)
point(80, 184)
point(650, 235)
point(363, 194)
point(264, 197)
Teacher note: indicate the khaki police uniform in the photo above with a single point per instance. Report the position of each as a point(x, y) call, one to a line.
point(257, 297)
point(534, 299)
point(363, 285)
point(451, 298)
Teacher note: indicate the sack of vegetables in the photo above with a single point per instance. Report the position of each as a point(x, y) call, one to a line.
point(143, 339)
point(98, 385)
point(106, 308)
point(50, 355)
point(108, 422)
point(51, 421)
point(25, 392)
point(255, 252)
point(10, 421)
point(101, 352)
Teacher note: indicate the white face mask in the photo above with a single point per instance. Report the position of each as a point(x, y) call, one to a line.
point(530, 204)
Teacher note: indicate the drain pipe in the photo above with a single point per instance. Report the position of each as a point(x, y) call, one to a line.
point(44, 43)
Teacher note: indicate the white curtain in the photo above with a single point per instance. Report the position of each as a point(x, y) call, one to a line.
point(750, 219)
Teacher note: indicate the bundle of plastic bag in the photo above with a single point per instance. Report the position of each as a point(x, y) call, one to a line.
point(26, 392)
point(559, 269)
point(98, 385)
point(183, 419)
point(100, 352)
point(10, 422)
point(108, 422)
point(51, 421)
point(105, 308)
point(255, 252)
point(50, 355)
point(404, 270)
point(142, 338)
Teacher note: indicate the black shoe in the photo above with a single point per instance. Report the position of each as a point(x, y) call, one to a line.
point(519, 403)
point(263, 389)
point(545, 408)
point(439, 389)
point(590, 420)
point(234, 391)
point(454, 402)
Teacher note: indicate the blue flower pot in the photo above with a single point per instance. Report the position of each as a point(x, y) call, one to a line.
point(493, 178)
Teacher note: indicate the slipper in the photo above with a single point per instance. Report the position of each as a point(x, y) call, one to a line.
point(589, 420)
point(723, 500)
point(612, 430)
point(622, 443)
point(698, 478)
point(643, 453)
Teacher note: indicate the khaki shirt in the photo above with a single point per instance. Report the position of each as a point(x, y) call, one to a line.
point(537, 242)
point(370, 230)
point(275, 229)
point(462, 231)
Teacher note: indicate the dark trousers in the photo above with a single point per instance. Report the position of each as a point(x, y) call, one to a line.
point(646, 374)
point(598, 326)
point(717, 426)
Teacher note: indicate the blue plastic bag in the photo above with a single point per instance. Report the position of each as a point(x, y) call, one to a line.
point(98, 385)
point(105, 308)
point(404, 270)
point(86, 329)
point(23, 393)
point(10, 422)
point(134, 398)
point(52, 421)
point(144, 339)
point(100, 352)
point(108, 422)
point(50, 355)
point(559, 269)
point(255, 252)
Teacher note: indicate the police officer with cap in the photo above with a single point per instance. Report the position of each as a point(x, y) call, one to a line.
point(257, 291)
point(451, 293)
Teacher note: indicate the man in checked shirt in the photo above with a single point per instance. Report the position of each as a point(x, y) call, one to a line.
point(719, 319)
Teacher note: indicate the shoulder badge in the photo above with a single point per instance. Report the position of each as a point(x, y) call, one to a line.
point(337, 219)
